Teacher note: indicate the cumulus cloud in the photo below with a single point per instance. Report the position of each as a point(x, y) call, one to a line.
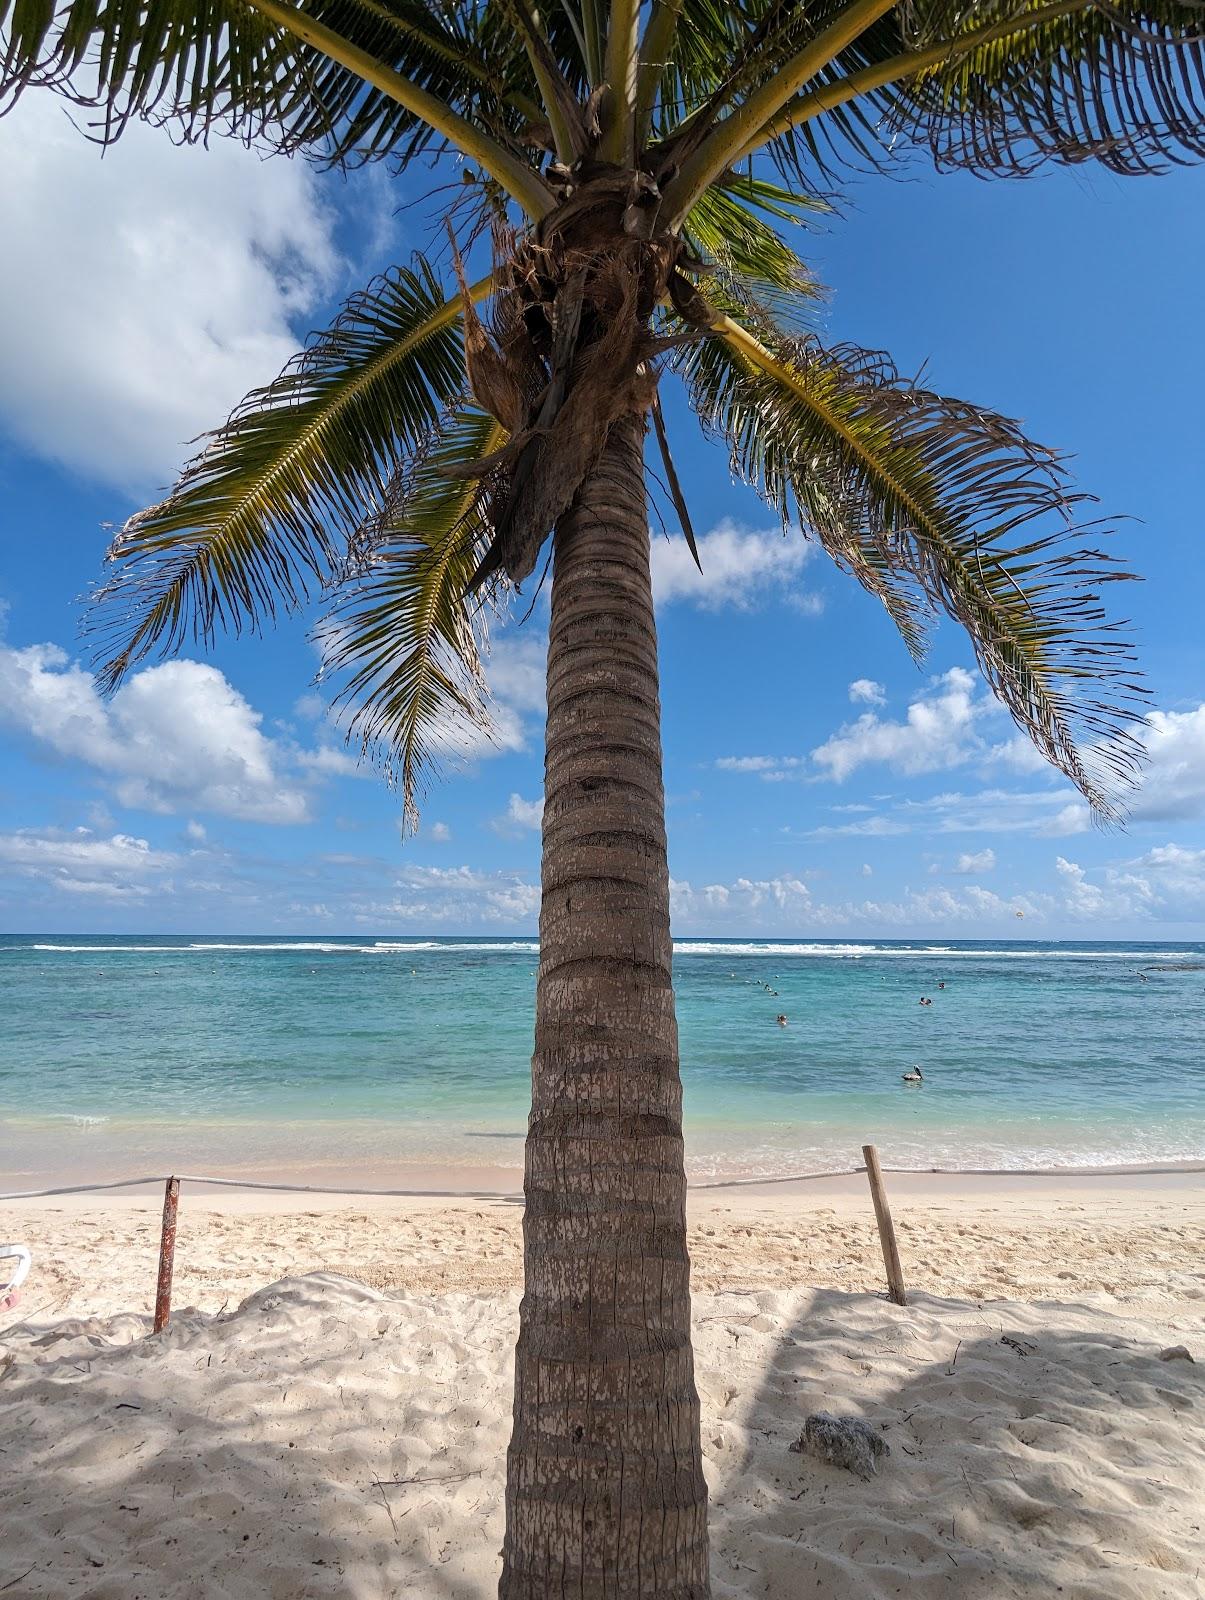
point(739, 899)
point(742, 568)
point(438, 833)
point(937, 732)
point(458, 897)
point(80, 863)
point(786, 905)
point(516, 669)
point(968, 864)
point(867, 692)
point(1068, 819)
point(169, 276)
point(176, 737)
point(520, 816)
point(1173, 788)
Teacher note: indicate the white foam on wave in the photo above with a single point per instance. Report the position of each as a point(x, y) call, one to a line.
point(684, 947)
point(527, 946)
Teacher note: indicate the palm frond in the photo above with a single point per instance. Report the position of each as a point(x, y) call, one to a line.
point(265, 510)
point(933, 505)
point(250, 70)
point(730, 227)
point(1005, 86)
point(402, 631)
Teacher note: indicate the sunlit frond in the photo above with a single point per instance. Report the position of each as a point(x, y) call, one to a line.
point(1003, 86)
point(258, 69)
point(934, 504)
point(401, 637)
point(731, 227)
point(265, 510)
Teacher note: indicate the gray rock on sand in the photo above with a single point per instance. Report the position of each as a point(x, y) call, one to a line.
point(842, 1442)
point(1176, 1352)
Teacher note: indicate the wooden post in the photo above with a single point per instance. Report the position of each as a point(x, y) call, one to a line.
point(882, 1211)
point(167, 1255)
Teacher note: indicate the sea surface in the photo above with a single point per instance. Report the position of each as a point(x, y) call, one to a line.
point(122, 1056)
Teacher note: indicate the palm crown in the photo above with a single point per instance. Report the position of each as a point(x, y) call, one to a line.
point(634, 166)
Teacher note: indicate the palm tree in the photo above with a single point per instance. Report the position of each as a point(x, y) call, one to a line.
point(633, 165)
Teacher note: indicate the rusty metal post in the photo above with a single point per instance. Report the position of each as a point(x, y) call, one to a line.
point(882, 1211)
point(167, 1255)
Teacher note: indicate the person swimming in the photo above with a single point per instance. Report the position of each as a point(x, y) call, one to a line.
point(782, 1019)
point(941, 983)
point(915, 1076)
point(924, 1001)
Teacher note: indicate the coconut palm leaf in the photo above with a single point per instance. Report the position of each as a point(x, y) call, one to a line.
point(402, 631)
point(937, 505)
point(339, 79)
point(266, 509)
point(730, 227)
point(1003, 86)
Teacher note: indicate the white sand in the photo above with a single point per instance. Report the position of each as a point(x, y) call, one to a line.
point(325, 1437)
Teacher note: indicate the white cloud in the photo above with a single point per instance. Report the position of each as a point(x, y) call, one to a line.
point(741, 568)
point(328, 761)
point(1069, 819)
point(143, 294)
point(1083, 899)
point(865, 828)
point(119, 868)
point(1018, 754)
point(867, 870)
point(867, 692)
point(1173, 788)
point(520, 815)
point(516, 668)
point(438, 833)
point(458, 897)
point(785, 904)
point(980, 861)
point(938, 732)
point(760, 764)
point(176, 737)
point(195, 831)
point(739, 899)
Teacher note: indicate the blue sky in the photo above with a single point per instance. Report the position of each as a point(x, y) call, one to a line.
point(819, 784)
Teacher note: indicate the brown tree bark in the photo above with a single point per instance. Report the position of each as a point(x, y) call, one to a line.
point(605, 1494)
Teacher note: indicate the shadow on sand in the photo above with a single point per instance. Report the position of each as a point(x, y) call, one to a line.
point(326, 1441)
point(1037, 1450)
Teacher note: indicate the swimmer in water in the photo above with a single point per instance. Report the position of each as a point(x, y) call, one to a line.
point(942, 984)
point(782, 1019)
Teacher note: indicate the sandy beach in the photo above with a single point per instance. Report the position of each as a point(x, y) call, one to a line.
point(329, 1411)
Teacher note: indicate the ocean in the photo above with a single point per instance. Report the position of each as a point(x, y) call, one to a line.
point(306, 1057)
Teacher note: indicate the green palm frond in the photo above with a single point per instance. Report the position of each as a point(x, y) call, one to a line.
point(1003, 86)
point(441, 50)
point(937, 505)
point(1123, 86)
point(729, 227)
point(239, 67)
point(266, 509)
point(401, 633)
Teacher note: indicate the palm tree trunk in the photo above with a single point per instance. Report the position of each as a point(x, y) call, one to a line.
point(605, 1493)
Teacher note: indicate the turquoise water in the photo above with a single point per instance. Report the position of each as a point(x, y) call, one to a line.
point(236, 1055)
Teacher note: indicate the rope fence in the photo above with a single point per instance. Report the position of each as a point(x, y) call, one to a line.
point(508, 1194)
point(871, 1166)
